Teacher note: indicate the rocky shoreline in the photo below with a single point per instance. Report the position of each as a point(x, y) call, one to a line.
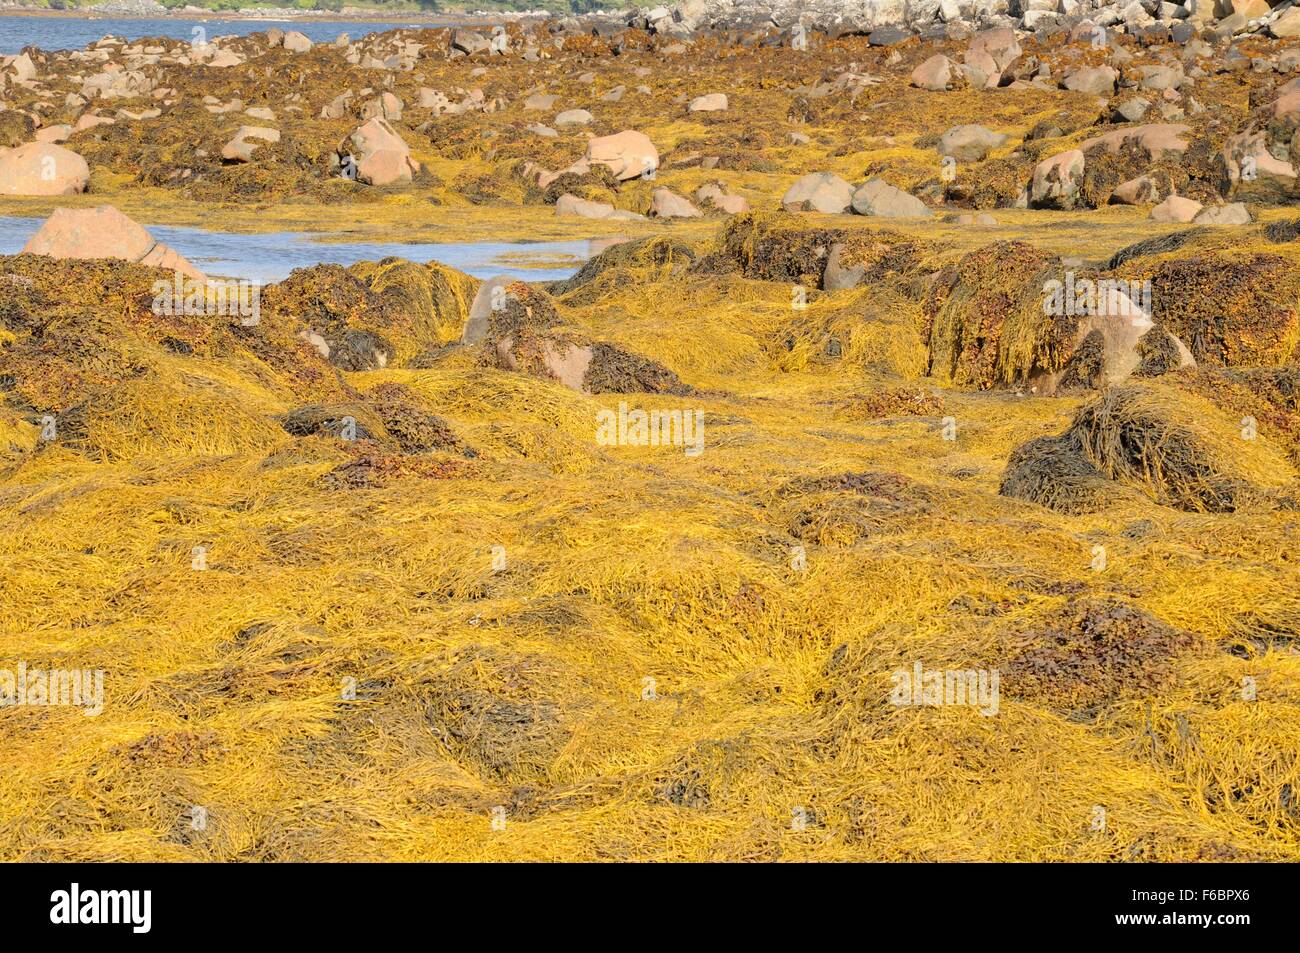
point(919, 342)
point(143, 11)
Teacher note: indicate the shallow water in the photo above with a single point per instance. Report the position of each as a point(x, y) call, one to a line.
point(75, 33)
point(270, 256)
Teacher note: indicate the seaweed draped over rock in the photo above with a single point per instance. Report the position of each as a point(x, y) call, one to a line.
point(434, 298)
point(85, 349)
point(93, 323)
point(875, 330)
point(375, 314)
point(639, 260)
point(525, 332)
point(985, 320)
point(1239, 311)
point(785, 248)
point(1162, 440)
point(1266, 397)
point(85, 344)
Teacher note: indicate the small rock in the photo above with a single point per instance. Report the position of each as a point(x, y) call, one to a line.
point(818, 192)
point(665, 203)
point(296, 42)
point(240, 148)
point(1234, 213)
point(969, 143)
point(627, 154)
point(1176, 209)
point(1097, 80)
point(878, 198)
point(572, 205)
point(541, 102)
point(936, 73)
point(574, 117)
point(713, 102)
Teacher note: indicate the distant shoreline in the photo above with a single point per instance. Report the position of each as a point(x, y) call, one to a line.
point(449, 18)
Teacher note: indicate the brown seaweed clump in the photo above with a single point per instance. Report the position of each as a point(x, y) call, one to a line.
point(892, 402)
point(840, 509)
point(526, 333)
point(390, 414)
point(994, 183)
point(1158, 353)
point(781, 247)
point(1053, 472)
point(616, 370)
point(1093, 651)
point(985, 322)
point(770, 247)
point(1174, 447)
point(1233, 311)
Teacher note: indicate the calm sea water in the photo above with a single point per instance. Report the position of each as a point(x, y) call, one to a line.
point(75, 33)
point(271, 256)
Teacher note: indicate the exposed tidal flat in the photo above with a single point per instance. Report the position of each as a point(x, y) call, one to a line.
point(711, 434)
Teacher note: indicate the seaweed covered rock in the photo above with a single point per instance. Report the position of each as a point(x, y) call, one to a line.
point(594, 184)
point(841, 509)
point(1174, 447)
point(16, 128)
point(525, 332)
point(1234, 310)
point(1011, 315)
point(873, 330)
point(433, 301)
point(184, 152)
point(994, 183)
point(1158, 158)
point(343, 318)
point(640, 260)
point(986, 325)
point(1264, 399)
point(374, 314)
point(781, 248)
point(88, 356)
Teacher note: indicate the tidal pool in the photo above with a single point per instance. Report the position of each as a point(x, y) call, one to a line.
point(270, 256)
